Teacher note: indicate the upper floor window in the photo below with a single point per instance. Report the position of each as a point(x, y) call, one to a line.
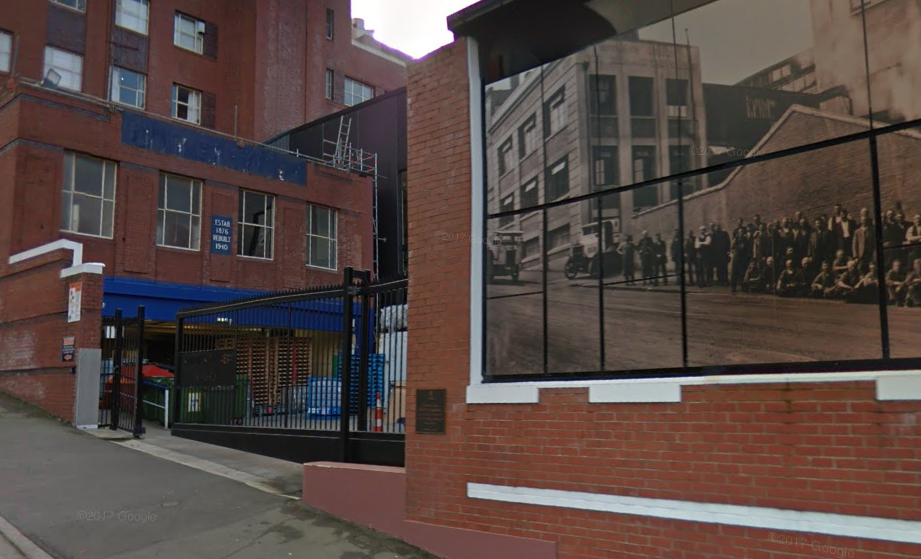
point(676, 95)
point(330, 24)
point(603, 94)
point(179, 212)
point(186, 104)
point(322, 240)
point(506, 205)
point(557, 180)
point(529, 194)
point(67, 65)
point(330, 78)
point(527, 137)
point(188, 33)
point(128, 88)
point(357, 92)
point(555, 113)
point(257, 222)
point(75, 4)
point(6, 51)
point(132, 14)
point(88, 195)
point(505, 157)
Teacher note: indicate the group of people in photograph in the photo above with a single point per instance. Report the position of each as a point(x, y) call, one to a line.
point(830, 256)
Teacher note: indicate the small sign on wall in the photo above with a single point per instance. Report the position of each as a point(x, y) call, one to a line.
point(221, 234)
point(67, 349)
point(74, 299)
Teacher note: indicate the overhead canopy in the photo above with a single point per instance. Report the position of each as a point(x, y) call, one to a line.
point(517, 35)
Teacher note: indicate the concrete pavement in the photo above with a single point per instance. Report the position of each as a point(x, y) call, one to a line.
point(79, 497)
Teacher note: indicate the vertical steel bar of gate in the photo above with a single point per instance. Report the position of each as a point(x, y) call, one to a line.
point(177, 373)
point(116, 372)
point(364, 396)
point(346, 407)
point(139, 378)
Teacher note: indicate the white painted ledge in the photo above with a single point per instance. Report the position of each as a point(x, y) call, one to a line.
point(903, 388)
point(890, 386)
point(88, 268)
point(60, 244)
point(782, 520)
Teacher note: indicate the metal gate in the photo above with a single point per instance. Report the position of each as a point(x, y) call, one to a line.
point(120, 404)
point(316, 375)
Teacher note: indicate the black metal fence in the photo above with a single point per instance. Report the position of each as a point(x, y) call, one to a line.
point(326, 366)
point(122, 373)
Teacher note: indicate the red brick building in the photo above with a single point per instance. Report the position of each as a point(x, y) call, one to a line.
point(127, 135)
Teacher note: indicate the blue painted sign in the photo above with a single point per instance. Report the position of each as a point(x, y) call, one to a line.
point(180, 141)
point(221, 234)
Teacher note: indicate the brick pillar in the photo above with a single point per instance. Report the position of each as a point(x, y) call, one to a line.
point(438, 128)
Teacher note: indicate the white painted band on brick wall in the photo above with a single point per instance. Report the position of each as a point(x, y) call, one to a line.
point(897, 385)
point(60, 244)
point(866, 527)
point(88, 268)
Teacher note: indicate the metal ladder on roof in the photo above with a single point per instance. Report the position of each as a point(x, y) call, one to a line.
point(342, 143)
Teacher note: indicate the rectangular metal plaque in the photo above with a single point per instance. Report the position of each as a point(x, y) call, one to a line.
point(430, 411)
point(221, 234)
point(208, 368)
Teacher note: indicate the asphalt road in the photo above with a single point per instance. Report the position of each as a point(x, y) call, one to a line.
point(642, 327)
point(79, 497)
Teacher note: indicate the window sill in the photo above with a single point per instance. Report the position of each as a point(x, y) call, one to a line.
point(255, 258)
point(179, 249)
point(144, 34)
point(87, 235)
point(322, 269)
point(890, 386)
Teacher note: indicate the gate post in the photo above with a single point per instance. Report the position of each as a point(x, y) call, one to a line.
point(139, 379)
point(345, 415)
point(364, 397)
point(116, 372)
point(177, 372)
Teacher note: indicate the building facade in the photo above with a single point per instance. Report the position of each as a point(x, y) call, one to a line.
point(245, 68)
point(129, 175)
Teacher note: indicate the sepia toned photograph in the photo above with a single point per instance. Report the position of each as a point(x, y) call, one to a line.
point(788, 259)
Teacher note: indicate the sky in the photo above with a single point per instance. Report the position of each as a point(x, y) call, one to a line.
point(416, 27)
point(761, 33)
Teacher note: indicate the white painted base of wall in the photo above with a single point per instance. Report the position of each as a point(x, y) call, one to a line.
point(890, 386)
point(785, 520)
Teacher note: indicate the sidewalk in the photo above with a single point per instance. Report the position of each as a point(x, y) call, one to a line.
point(80, 497)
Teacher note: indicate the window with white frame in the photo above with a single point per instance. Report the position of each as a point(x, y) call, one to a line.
point(6, 51)
point(179, 212)
point(133, 15)
point(74, 4)
point(555, 113)
point(67, 65)
point(186, 104)
point(330, 24)
point(256, 220)
point(322, 237)
point(128, 88)
point(527, 137)
point(505, 157)
point(188, 33)
point(88, 195)
point(357, 92)
point(330, 80)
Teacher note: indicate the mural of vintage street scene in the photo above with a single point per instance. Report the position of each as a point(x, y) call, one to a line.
point(803, 258)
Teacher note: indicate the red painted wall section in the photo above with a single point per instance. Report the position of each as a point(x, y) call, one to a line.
point(819, 447)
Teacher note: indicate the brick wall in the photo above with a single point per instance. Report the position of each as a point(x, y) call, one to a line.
point(822, 447)
point(267, 75)
point(33, 323)
point(38, 129)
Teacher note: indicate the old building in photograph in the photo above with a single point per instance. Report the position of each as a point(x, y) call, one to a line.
point(624, 111)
